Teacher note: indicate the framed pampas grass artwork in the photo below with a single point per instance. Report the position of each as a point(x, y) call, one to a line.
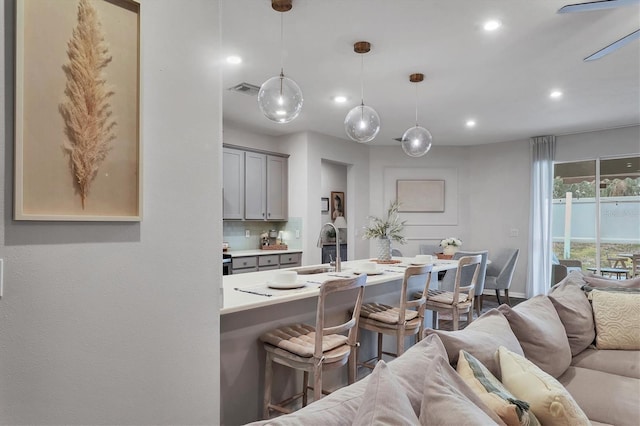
point(77, 133)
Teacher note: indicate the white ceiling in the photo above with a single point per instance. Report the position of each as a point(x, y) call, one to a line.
point(501, 79)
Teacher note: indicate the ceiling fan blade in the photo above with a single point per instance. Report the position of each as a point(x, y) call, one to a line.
point(614, 46)
point(596, 5)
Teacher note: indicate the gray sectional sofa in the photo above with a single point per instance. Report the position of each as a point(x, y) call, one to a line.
point(570, 357)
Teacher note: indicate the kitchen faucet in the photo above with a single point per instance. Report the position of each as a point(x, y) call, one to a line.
point(338, 267)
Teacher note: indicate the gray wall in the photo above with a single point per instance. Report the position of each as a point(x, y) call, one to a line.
point(117, 323)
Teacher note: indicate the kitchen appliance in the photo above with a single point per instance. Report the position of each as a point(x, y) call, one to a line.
point(226, 264)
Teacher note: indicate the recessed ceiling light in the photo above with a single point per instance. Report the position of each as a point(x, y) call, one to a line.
point(492, 25)
point(234, 60)
point(339, 99)
point(555, 94)
point(471, 123)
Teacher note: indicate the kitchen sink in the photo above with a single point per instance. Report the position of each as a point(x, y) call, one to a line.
point(314, 270)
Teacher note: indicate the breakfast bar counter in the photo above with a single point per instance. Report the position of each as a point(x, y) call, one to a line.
point(250, 308)
point(249, 291)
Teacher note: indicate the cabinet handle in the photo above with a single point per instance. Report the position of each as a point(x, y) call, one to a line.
point(262, 214)
point(269, 214)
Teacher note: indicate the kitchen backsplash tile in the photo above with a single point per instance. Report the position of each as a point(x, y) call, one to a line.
point(234, 233)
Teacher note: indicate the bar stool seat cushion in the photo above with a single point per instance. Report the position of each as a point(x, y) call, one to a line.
point(299, 339)
point(446, 297)
point(385, 313)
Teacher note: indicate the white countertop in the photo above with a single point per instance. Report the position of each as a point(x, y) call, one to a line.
point(237, 301)
point(258, 252)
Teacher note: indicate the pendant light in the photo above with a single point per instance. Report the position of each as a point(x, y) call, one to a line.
point(280, 98)
point(416, 141)
point(362, 123)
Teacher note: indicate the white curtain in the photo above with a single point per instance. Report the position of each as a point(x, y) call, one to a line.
point(543, 150)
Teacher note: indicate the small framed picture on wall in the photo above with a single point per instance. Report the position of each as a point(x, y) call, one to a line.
point(337, 205)
point(324, 203)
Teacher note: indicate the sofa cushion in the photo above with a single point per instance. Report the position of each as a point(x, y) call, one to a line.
point(617, 319)
point(604, 397)
point(540, 332)
point(549, 400)
point(622, 363)
point(448, 400)
point(576, 315)
point(597, 281)
point(511, 410)
point(384, 401)
point(481, 339)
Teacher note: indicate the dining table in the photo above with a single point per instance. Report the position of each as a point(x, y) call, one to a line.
point(250, 307)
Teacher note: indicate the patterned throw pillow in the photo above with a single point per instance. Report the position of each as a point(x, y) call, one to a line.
point(549, 400)
point(511, 410)
point(617, 318)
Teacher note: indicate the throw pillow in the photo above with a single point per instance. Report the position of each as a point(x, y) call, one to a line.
point(511, 410)
point(575, 312)
point(597, 281)
point(617, 318)
point(540, 332)
point(384, 401)
point(481, 339)
point(448, 400)
point(549, 400)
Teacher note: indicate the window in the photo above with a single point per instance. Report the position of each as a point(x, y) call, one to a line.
point(598, 224)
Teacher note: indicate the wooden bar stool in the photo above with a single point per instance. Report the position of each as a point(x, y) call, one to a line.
point(400, 321)
point(460, 300)
point(300, 347)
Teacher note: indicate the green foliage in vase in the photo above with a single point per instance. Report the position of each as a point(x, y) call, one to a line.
point(390, 227)
point(86, 111)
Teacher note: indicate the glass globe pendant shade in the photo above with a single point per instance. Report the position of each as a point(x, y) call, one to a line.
point(280, 99)
point(362, 124)
point(416, 141)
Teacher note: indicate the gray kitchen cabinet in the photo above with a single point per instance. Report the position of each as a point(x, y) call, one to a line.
point(264, 262)
point(290, 260)
point(255, 184)
point(233, 183)
point(277, 188)
point(266, 188)
point(241, 265)
point(255, 193)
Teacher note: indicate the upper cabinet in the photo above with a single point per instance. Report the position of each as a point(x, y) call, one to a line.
point(255, 195)
point(232, 183)
point(257, 190)
point(277, 188)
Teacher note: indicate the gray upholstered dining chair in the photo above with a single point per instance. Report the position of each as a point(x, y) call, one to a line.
point(500, 272)
point(448, 281)
point(430, 249)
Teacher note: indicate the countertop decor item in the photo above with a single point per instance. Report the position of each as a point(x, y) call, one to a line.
point(450, 245)
point(386, 230)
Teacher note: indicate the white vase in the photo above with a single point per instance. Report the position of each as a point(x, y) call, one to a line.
point(384, 249)
point(450, 250)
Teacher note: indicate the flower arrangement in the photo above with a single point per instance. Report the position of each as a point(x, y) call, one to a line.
point(451, 242)
point(390, 228)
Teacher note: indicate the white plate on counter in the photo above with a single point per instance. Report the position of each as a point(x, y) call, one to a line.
point(287, 286)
